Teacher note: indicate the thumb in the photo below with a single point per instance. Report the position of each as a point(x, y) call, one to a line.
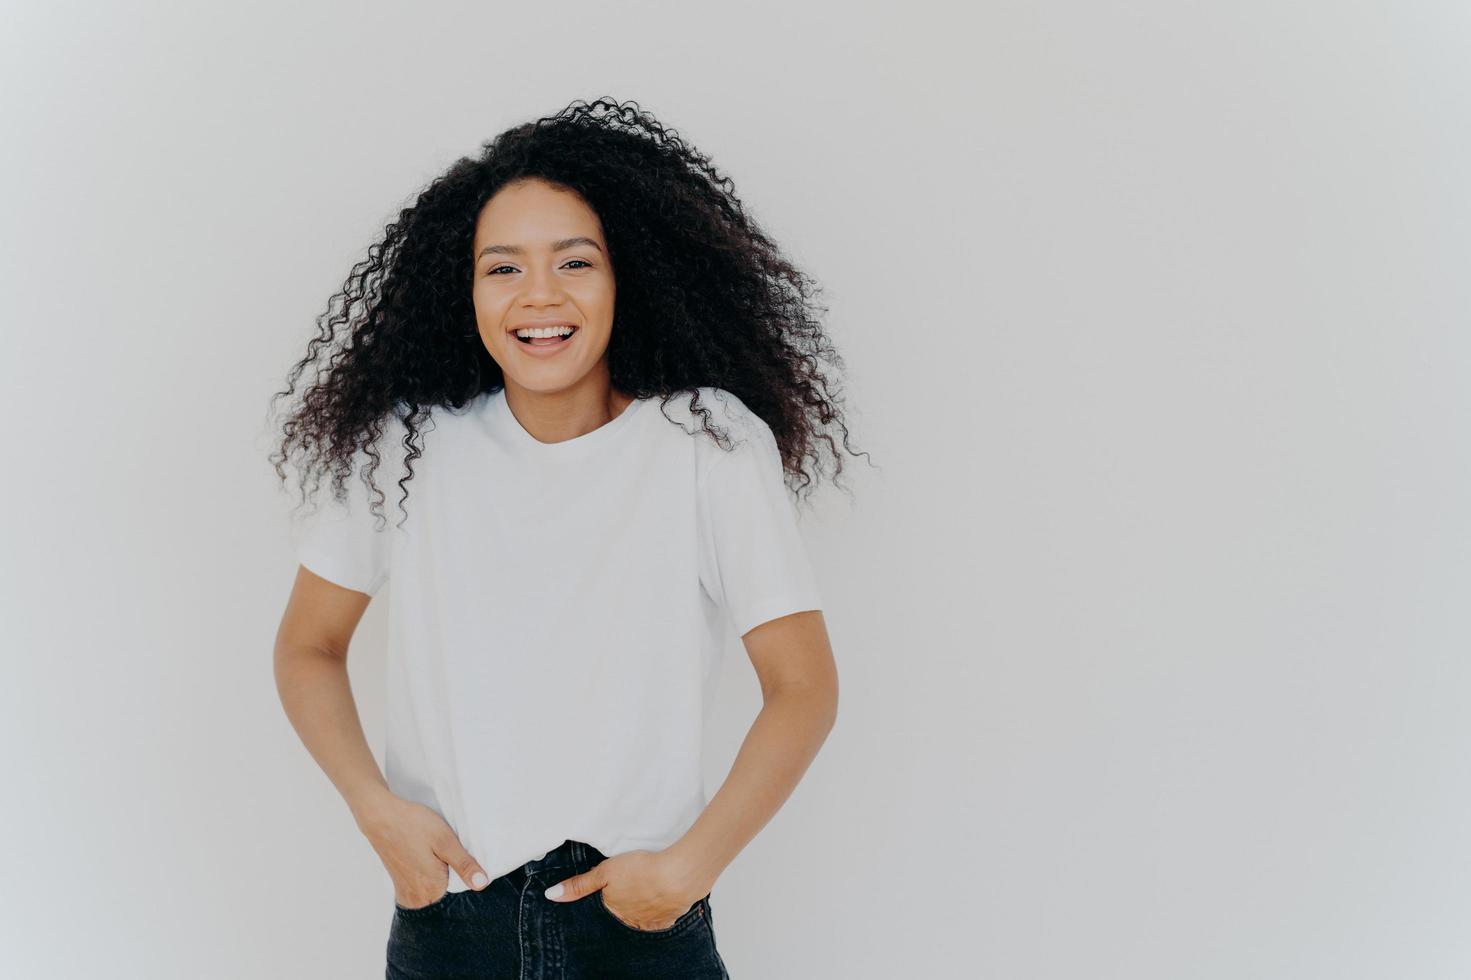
point(578, 886)
point(453, 853)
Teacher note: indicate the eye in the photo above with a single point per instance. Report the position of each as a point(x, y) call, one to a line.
point(496, 270)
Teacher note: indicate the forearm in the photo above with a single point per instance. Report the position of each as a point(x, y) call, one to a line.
point(316, 692)
point(783, 740)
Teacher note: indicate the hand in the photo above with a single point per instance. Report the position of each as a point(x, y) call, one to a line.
point(645, 889)
point(418, 848)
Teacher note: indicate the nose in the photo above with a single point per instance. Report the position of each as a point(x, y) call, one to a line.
point(542, 289)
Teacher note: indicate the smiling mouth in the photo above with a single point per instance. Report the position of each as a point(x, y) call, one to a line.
point(546, 341)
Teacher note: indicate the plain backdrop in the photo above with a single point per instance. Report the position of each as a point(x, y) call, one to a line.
point(1151, 613)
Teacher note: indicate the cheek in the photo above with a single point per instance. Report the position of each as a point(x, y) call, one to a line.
point(489, 303)
point(597, 297)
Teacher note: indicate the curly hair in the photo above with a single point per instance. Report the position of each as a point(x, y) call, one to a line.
point(710, 301)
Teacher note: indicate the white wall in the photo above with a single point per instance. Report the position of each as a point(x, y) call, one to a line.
point(1152, 629)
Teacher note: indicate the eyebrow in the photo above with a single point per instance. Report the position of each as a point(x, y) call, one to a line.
point(557, 246)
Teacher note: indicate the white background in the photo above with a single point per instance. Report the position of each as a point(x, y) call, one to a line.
point(1152, 628)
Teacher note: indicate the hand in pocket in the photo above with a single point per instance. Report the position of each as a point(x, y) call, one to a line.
point(418, 847)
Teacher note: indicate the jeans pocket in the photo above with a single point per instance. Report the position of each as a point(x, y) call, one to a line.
point(690, 918)
point(434, 906)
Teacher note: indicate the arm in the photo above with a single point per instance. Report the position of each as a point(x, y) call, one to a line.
point(413, 841)
point(312, 681)
point(799, 686)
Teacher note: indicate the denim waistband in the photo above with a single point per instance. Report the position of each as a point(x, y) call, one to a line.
point(570, 855)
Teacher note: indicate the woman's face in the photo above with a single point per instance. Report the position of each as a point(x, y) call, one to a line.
point(540, 258)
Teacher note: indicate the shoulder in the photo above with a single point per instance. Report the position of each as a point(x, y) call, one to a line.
point(384, 456)
point(724, 410)
point(744, 435)
point(392, 429)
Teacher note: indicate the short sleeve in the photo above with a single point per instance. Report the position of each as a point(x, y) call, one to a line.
point(342, 541)
point(753, 561)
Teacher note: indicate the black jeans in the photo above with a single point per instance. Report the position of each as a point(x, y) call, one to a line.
point(510, 931)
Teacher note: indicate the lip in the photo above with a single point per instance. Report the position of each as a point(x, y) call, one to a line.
point(546, 350)
point(524, 324)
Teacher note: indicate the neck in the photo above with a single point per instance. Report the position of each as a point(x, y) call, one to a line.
point(555, 416)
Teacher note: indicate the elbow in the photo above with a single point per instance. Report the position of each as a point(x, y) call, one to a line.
point(815, 698)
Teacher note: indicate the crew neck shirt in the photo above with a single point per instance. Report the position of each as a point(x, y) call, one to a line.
point(557, 612)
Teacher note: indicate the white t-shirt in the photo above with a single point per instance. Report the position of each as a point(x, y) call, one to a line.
point(558, 611)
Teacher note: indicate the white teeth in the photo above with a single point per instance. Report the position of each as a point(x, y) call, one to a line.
point(544, 332)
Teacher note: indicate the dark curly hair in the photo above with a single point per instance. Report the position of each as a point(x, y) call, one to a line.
point(710, 300)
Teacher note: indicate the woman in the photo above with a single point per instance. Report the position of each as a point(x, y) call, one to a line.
point(593, 373)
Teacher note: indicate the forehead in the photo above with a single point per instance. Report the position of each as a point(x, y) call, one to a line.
point(535, 215)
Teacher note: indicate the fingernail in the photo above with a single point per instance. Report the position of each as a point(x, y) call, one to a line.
point(555, 891)
point(480, 881)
